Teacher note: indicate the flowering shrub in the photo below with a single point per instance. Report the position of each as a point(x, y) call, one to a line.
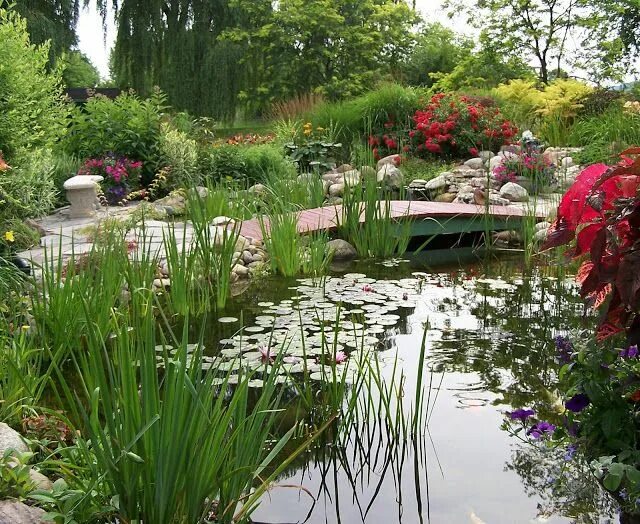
point(121, 176)
point(390, 140)
point(530, 164)
point(453, 125)
point(600, 378)
point(246, 139)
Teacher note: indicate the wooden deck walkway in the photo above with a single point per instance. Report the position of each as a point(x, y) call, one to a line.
point(428, 218)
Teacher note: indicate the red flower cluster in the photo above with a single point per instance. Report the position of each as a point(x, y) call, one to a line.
point(454, 125)
point(601, 212)
point(389, 141)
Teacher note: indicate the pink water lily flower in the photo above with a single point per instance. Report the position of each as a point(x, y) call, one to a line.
point(265, 351)
point(341, 357)
point(367, 288)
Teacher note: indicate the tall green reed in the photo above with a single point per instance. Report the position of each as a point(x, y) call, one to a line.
point(366, 220)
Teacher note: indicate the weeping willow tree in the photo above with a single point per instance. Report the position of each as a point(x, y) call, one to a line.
point(49, 20)
point(177, 45)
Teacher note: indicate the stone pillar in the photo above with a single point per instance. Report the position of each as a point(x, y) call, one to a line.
point(82, 191)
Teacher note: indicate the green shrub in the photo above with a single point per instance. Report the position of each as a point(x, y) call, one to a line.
point(29, 189)
point(179, 155)
point(32, 109)
point(605, 136)
point(246, 163)
point(389, 102)
point(127, 126)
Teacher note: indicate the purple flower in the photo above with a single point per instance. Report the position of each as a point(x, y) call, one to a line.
point(564, 347)
point(571, 451)
point(540, 429)
point(577, 403)
point(521, 414)
point(630, 352)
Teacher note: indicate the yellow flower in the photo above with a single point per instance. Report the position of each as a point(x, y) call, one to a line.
point(319, 128)
point(8, 236)
point(307, 131)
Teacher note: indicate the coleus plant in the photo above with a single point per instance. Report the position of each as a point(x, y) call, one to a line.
point(601, 212)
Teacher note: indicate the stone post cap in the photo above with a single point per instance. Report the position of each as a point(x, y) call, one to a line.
point(82, 182)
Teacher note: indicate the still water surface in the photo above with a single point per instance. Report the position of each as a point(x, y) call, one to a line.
point(489, 330)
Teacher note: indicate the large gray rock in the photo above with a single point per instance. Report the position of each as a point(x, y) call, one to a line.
point(336, 190)
point(352, 178)
point(514, 192)
point(475, 163)
point(393, 160)
point(13, 512)
point(486, 155)
point(173, 204)
point(11, 439)
point(341, 249)
point(344, 168)
point(368, 172)
point(437, 183)
point(495, 162)
point(390, 176)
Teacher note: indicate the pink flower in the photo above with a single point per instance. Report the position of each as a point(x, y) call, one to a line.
point(265, 351)
point(367, 288)
point(341, 356)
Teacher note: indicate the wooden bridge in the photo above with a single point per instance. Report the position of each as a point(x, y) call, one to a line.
point(427, 218)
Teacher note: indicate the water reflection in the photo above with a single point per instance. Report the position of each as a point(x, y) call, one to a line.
point(488, 335)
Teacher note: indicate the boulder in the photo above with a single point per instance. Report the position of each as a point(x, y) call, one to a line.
point(486, 155)
point(240, 270)
point(14, 512)
point(393, 160)
point(390, 176)
point(344, 168)
point(336, 190)
point(508, 155)
point(334, 201)
point(445, 197)
point(367, 172)
point(173, 204)
point(11, 439)
point(475, 163)
point(437, 183)
point(330, 177)
point(258, 189)
point(341, 250)
point(495, 162)
point(540, 236)
point(514, 192)
point(567, 162)
point(242, 243)
point(542, 225)
point(222, 221)
point(351, 178)
point(201, 191)
point(40, 481)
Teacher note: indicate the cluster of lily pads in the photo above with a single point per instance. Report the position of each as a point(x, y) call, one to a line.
point(324, 331)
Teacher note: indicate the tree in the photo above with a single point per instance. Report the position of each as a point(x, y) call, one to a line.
point(437, 50)
point(78, 71)
point(49, 20)
point(338, 48)
point(524, 28)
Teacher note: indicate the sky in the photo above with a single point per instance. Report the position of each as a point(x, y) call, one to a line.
point(93, 43)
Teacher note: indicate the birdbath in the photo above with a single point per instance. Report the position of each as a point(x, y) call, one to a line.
point(82, 192)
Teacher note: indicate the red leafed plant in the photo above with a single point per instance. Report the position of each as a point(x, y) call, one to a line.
point(601, 212)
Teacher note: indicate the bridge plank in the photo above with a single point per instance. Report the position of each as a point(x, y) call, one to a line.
point(449, 218)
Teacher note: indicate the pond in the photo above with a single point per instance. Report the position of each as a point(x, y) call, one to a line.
point(488, 329)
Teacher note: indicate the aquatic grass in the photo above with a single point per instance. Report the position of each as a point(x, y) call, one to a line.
point(282, 241)
point(22, 377)
point(214, 247)
point(366, 221)
point(174, 446)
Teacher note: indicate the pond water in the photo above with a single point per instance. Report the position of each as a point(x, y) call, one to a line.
point(488, 328)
